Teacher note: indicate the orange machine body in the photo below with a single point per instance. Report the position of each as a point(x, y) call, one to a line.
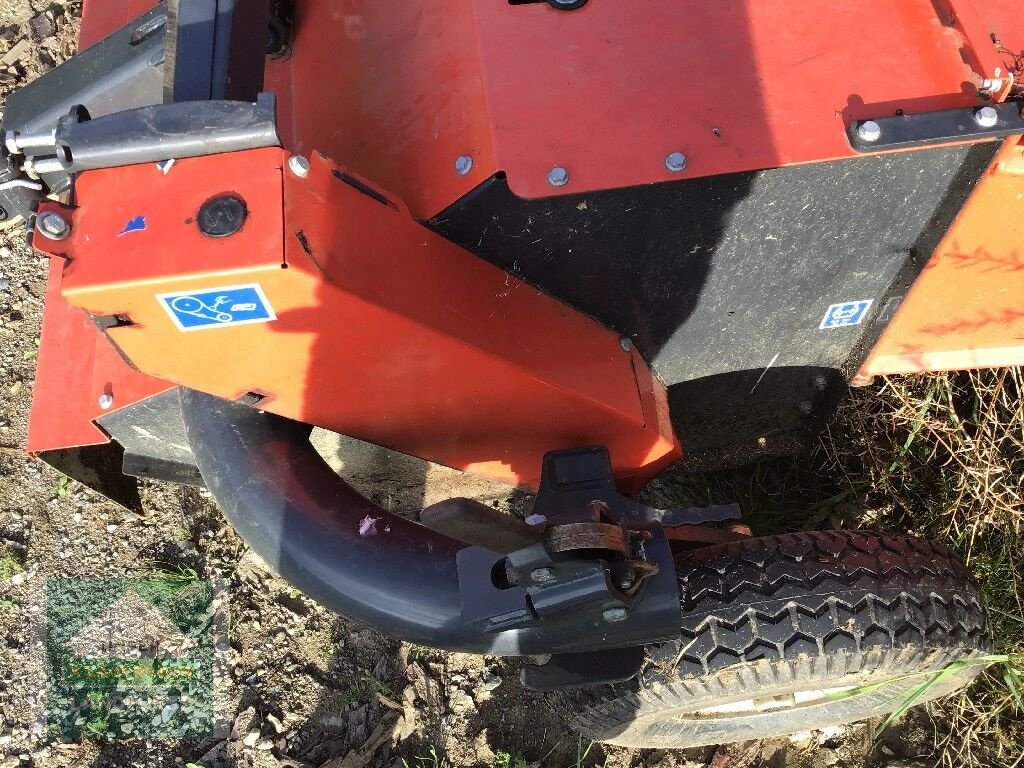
point(378, 327)
point(386, 331)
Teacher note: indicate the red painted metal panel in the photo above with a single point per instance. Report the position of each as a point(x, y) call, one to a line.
point(610, 90)
point(383, 330)
point(76, 365)
point(102, 17)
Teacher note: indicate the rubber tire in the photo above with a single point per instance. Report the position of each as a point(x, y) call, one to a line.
point(774, 615)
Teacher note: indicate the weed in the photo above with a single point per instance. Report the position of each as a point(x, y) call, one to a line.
point(508, 760)
point(63, 487)
point(366, 684)
point(430, 760)
point(9, 566)
point(420, 652)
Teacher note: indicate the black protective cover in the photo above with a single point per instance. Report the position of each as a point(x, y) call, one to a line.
point(716, 279)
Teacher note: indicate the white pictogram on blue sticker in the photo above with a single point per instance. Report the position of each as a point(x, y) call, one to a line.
point(217, 307)
point(847, 313)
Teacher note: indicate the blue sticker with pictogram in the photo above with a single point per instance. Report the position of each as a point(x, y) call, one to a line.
point(217, 307)
point(847, 313)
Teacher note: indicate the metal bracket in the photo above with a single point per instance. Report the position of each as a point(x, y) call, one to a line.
point(948, 126)
point(603, 568)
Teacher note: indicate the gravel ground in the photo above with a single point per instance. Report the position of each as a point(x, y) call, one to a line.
point(303, 687)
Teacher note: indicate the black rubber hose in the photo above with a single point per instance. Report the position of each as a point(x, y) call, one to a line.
point(329, 541)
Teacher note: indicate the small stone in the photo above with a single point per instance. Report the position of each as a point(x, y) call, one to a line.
point(111, 528)
point(77, 517)
point(18, 50)
point(265, 746)
point(18, 578)
point(251, 738)
point(16, 387)
point(276, 724)
point(42, 26)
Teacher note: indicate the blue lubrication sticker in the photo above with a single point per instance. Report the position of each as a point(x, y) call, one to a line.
point(217, 307)
point(847, 313)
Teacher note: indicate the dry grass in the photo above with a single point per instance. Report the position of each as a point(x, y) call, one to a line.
point(943, 455)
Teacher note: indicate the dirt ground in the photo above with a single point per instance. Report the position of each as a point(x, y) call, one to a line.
point(304, 686)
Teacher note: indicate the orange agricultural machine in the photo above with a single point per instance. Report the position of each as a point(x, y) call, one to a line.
point(558, 244)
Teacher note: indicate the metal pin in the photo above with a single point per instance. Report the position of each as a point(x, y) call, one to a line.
point(106, 400)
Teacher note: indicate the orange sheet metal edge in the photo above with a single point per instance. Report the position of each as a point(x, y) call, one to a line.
point(966, 310)
point(76, 365)
point(381, 329)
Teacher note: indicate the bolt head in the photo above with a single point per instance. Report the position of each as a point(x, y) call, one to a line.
point(676, 162)
point(626, 343)
point(535, 520)
point(463, 164)
point(613, 615)
point(299, 165)
point(542, 575)
point(106, 401)
point(869, 130)
point(986, 117)
point(558, 177)
point(53, 226)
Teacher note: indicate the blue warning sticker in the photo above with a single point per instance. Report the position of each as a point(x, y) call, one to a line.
point(847, 313)
point(217, 307)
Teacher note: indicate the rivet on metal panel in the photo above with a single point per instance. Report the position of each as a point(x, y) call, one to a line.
point(299, 165)
point(986, 117)
point(54, 226)
point(626, 343)
point(869, 130)
point(105, 401)
point(676, 162)
point(463, 164)
point(613, 615)
point(558, 177)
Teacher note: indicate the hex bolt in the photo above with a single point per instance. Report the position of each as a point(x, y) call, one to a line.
point(54, 226)
point(463, 164)
point(869, 130)
point(626, 343)
point(613, 615)
point(542, 575)
point(106, 400)
point(299, 165)
point(558, 177)
point(676, 162)
point(986, 117)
